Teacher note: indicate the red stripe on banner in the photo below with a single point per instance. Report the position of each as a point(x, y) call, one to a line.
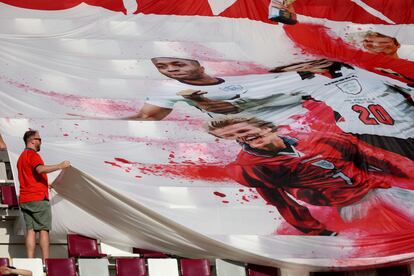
point(399, 11)
point(113, 5)
point(316, 40)
point(254, 10)
point(174, 7)
point(337, 10)
point(43, 4)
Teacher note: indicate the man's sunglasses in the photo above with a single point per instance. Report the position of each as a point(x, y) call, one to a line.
point(38, 139)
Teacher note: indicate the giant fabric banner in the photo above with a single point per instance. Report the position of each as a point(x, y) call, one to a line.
point(271, 132)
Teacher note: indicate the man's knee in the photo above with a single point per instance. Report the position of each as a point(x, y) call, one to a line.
point(44, 234)
point(30, 233)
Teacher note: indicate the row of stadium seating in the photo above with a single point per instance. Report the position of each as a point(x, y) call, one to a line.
point(137, 267)
point(170, 267)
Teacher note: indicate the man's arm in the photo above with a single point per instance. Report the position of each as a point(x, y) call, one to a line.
point(4, 270)
point(150, 112)
point(199, 100)
point(363, 154)
point(51, 168)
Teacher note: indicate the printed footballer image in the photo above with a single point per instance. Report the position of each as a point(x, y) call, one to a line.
point(375, 108)
point(192, 84)
point(319, 165)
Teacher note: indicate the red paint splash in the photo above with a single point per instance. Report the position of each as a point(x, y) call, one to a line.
point(110, 107)
point(317, 40)
point(245, 198)
point(113, 164)
point(219, 194)
point(188, 170)
point(122, 160)
point(384, 231)
point(218, 152)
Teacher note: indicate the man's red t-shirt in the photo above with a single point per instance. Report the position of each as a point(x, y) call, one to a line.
point(33, 186)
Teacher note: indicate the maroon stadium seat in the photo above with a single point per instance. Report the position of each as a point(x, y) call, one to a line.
point(199, 267)
point(4, 261)
point(8, 196)
point(60, 267)
point(402, 270)
point(130, 266)
point(330, 273)
point(144, 253)
point(260, 270)
point(83, 247)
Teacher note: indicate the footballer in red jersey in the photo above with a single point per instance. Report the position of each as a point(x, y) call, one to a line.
point(314, 161)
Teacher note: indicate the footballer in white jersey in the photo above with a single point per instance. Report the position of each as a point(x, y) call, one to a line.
point(377, 109)
point(368, 103)
point(263, 95)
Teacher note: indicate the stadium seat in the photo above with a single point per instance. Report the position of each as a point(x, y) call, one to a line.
point(260, 270)
point(8, 196)
point(163, 267)
point(402, 270)
point(93, 267)
point(227, 268)
point(83, 247)
point(130, 266)
point(199, 267)
point(330, 273)
point(4, 261)
point(59, 267)
point(117, 251)
point(144, 253)
point(34, 265)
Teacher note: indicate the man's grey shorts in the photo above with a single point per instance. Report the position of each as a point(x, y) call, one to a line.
point(37, 215)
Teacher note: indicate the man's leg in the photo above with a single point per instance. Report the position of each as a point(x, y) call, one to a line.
point(30, 232)
point(44, 244)
point(30, 243)
point(46, 220)
point(42, 224)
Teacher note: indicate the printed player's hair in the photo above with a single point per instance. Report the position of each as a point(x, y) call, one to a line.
point(228, 120)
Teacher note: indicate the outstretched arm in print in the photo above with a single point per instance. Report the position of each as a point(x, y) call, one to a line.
point(204, 103)
point(294, 213)
point(149, 112)
point(399, 170)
